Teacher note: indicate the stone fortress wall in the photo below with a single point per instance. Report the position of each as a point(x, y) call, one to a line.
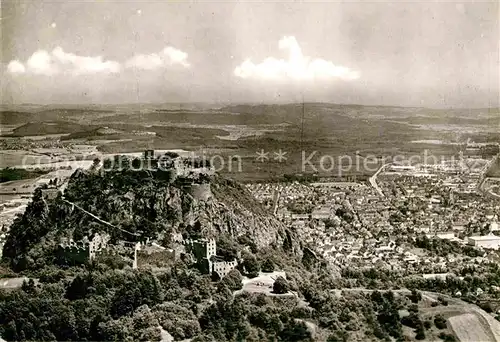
point(84, 250)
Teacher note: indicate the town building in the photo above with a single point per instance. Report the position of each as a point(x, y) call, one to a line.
point(494, 226)
point(486, 241)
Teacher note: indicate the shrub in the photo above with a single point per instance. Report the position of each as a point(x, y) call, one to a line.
point(447, 337)
point(440, 322)
point(442, 300)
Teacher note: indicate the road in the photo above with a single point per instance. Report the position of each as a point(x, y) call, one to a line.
point(13, 210)
point(484, 179)
point(14, 283)
point(373, 180)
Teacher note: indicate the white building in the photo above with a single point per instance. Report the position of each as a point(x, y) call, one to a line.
point(441, 276)
point(486, 241)
point(450, 235)
point(322, 213)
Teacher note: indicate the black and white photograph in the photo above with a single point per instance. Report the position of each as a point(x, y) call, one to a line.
point(247, 171)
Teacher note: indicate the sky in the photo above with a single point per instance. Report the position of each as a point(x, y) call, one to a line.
point(431, 54)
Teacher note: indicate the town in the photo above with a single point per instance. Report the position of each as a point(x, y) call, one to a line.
point(390, 221)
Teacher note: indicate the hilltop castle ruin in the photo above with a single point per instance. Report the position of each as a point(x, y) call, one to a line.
point(82, 251)
point(205, 252)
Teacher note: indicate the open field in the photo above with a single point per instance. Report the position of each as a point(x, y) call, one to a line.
point(494, 170)
point(468, 328)
point(262, 284)
point(467, 321)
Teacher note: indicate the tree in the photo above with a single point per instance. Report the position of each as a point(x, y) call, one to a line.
point(442, 300)
point(296, 331)
point(412, 321)
point(79, 287)
point(125, 301)
point(95, 163)
point(280, 285)
point(415, 296)
point(29, 286)
point(338, 336)
point(226, 247)
point(267, 266)
point(203, 286)
point(250, 266)
point(420, 332)
point(232, 280)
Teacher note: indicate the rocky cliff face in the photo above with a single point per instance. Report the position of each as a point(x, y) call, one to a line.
point(231, 209)
point(147, 207)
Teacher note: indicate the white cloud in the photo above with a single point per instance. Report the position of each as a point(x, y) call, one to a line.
point(167, 57)
point(41, 62)
point(297, 66)
point(58, 61)
point(16, 67)
point(83, 65)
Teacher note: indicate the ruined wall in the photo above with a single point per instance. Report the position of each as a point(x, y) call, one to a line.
point(159, 258)
point(97, 245)
point(73, 255)
point(200, 192)
point(222, 268)
point(79, 252)
point(197, 247)
point(50, 193)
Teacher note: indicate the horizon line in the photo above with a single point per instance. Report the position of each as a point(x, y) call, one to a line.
point(245, 103)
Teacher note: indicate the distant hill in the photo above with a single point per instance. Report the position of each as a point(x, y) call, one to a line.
point(177, 136)
point(97, 133)
point(15, 118)
point(51, 127)
point(195, 118)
